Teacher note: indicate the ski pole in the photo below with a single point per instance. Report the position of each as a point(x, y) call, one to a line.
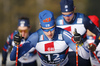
point(17, 43)
point(76, 54)
point(96, 57)
point(78, 40)
point(17, 54)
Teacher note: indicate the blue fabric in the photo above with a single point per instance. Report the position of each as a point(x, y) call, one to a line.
point(23, 22)
point(35, 38)
point(86, 22)
point(66, 5)
point(46, 18)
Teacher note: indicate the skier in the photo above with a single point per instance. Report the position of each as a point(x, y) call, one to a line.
point(95, 61)
point(71, 21)
point(24, 29)
point(51, 43)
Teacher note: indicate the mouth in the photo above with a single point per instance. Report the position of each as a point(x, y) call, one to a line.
point(68, 20)
point(50, 35)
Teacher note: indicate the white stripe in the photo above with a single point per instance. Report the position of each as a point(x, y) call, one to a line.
point(67, 34)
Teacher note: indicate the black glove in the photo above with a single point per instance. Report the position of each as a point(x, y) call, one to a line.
point(77, 37)
point(17, 39)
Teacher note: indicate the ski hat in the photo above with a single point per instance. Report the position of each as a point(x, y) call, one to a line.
point(67, 5)
point(23, 22)
point(46, 19)
point(94, 19)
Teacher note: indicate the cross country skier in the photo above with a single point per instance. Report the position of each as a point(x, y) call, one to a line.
point(51, 43)
point(24, 29)
point(71, 21)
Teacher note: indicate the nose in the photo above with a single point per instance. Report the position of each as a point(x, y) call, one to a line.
point(49, 32)
point(23, 33)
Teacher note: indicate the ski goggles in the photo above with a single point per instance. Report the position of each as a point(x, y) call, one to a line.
point(68, 15)
point(26, 31)
point(47, 30)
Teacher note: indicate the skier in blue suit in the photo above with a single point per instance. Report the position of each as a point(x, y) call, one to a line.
point(51, 43)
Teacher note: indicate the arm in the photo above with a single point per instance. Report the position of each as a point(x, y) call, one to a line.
point(6, 48)
point(29, 43)
point(92, 27)
point(82, 50)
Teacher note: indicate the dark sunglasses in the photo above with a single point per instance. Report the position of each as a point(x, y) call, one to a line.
point(47, 30)
point(68, 15)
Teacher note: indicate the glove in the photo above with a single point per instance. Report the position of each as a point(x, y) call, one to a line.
point(92, 47)
point(77, 38)
point(17, 39)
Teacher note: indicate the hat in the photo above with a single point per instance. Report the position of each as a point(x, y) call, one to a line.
point(66, 5)
point(94, 19)
point(46, 19)
point(23, 22)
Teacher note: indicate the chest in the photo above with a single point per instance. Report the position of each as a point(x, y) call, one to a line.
point(50, 47)
point(71, 28)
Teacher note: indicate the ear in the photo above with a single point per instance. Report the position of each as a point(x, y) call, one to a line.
point(74, 8)
point(29, 28)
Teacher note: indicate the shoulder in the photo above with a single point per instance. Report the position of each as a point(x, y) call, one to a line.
point(61, 31)
point(37, 33)
point(40, 31)
point(12, 34)
point(82, 15)
point(59, 17)
point(59, 20)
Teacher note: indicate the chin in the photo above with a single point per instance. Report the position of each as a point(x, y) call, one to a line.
point(50, 37)
point(68, 20)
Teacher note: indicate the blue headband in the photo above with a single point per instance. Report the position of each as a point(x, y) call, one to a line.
point(46, 18)
point(23, 22)
point(66, 5)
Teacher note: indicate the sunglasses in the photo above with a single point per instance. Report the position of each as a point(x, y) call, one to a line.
point(26, 31)
point(47, 30)
point(68, 15)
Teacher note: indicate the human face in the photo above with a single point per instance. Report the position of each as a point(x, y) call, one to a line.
point(68, 15)
point(24, 31)
point(49, 32)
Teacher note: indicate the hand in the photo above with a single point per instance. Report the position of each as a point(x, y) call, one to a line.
point(77, 37)
point(92, 47)
point(17, 39)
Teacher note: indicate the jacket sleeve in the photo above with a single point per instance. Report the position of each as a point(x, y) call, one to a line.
point(92, 27)
point(6, 48)
point(29, 43)
point(82, 50)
